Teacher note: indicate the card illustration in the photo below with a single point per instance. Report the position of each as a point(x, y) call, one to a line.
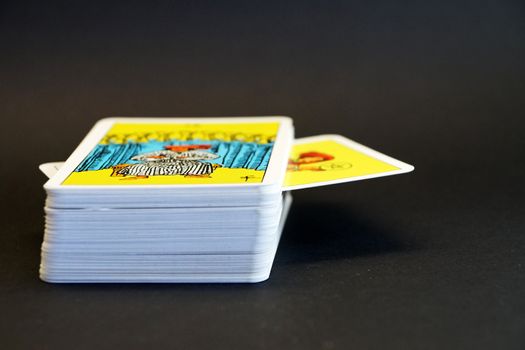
point(173, 160)
point(178, 154)
point(315, 161)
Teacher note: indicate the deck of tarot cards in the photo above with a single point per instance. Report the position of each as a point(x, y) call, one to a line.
point(186, 199)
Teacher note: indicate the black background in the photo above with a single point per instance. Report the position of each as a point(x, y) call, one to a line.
point(429, 260)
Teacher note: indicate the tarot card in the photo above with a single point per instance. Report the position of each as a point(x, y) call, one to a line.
point(179, 151)
point(331, 159)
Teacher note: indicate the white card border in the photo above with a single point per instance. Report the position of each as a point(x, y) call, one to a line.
point(49, 169)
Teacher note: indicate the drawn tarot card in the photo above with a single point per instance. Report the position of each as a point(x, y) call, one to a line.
point(331, 159)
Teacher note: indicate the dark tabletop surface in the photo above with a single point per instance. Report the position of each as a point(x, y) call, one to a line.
point(429, 260)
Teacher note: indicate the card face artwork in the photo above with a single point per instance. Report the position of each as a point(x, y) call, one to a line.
point(330, 159)
point(322, 160)
point(140, 151)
